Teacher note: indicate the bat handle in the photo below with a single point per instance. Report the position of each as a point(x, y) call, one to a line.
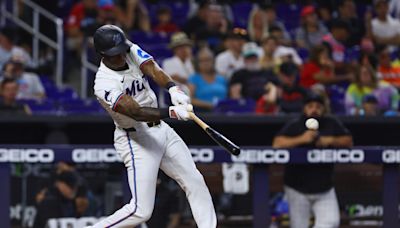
point(196, 119)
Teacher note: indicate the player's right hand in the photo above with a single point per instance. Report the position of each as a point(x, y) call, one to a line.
point(180, 112)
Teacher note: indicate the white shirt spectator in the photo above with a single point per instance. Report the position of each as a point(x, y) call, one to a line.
point(283, 51)
point(175, 66)
point(30, 86)
point(386, 29)
point(226, 63)
point(16, 52)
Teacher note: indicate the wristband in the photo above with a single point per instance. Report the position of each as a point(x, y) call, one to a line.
point(164, 113)
point(170, 84)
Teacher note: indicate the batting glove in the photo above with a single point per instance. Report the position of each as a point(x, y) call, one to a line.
point(180, 112)
point(178, 97)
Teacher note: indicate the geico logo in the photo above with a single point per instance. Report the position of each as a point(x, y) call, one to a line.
point(358, 210)
point(95, 155)
point(262, 156)
point(71, 222)
point(340, 156)
point(27, 155)
point(391, 156)
point(202, 155)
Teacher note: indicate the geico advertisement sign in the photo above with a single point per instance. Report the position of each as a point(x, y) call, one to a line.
point(205, 155)
point(72, 222)
point(335, 156)
point(95, 155)
point(391, 156)
point(26, 155)
point(262, 156)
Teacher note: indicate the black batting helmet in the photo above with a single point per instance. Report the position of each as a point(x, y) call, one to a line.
point(110, 40)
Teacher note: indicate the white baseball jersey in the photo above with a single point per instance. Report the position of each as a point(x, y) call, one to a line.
point(147, 149)
point(110, 85)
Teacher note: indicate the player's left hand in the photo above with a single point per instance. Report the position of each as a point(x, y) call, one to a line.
point(178, 97)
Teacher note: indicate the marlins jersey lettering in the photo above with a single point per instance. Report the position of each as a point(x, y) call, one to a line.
point(110, 85)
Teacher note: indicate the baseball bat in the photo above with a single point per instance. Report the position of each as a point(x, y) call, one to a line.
point(216, 136)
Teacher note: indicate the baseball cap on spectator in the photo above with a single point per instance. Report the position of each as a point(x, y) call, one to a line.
point(250, 49)
point(307, 10)
point(288, 69)
point(237, 33)
point(370, 99)
point(179, 39)
point(314, 98)
point(105, 4)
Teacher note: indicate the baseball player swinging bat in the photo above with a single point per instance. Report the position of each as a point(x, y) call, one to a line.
point(216, 136)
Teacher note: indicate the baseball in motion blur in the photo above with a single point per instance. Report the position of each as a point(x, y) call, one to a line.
point(312, 124)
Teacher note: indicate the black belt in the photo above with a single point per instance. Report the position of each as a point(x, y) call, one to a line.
point(149, 124)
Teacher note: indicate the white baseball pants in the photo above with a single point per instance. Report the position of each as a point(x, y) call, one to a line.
point(144, 152)
point(324, 206)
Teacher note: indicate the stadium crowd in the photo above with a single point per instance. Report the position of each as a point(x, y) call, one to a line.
point(231, 56)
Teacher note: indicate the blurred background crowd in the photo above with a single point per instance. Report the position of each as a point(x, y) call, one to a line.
point(260, 57)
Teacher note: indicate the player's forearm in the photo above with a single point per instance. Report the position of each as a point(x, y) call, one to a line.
point(127, 106)
point(342, 141)
point(287, 142)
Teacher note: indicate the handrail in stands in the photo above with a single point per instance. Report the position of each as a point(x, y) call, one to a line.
point(37, 35)
point(86, 65)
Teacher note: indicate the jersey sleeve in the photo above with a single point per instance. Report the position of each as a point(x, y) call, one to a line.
point(108, 91)
point(138, 55)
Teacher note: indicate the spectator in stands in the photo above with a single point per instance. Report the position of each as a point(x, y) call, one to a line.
point(269, 45)
point(253, 82)
point(339, 33)
point(206, 86)
point(82, 20)
point(386, 70)
point(311, 31)
point(309, 187)
point(30, 86)
point(369, 106)
point(320, 69)
point(165, 24)
point(132, 15)
point(8, 101)
point(261, 19)
point(284, 53)
point(9, 49)
point(292, 94)
point(57, 200)
point(385, 28)
point(106, 10)
point(231, 59)
point(347, 13)
point(366, 82)
point(198, 21)
point(179, 66)
point(216, 28)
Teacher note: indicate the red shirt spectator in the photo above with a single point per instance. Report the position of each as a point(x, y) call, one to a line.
point(78, 13)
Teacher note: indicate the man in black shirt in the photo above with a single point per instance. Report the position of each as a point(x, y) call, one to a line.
point(252, 81)
point(309, 188)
